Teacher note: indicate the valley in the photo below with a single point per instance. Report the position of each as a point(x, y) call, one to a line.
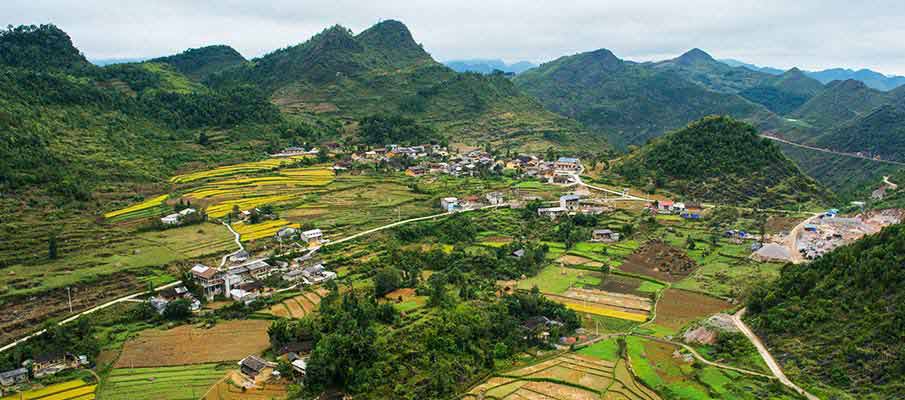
point(346, 217)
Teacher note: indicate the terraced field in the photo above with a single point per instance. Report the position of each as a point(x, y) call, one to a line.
point(187, 382)
point(298, 306)
point(186, 344)
point(570, 376)
point(71, 390)
point(235, 169)
point(148, 208)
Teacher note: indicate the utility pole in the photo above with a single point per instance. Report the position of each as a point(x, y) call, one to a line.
point(69, 294)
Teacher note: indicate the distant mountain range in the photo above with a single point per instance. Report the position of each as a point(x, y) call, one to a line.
point(486, 66)
point(872, 79)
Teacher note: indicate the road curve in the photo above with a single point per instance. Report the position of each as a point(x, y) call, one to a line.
point(768, 358)
point(838, 153)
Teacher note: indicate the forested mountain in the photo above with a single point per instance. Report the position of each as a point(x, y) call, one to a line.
point(840, 102)
point(488, 66)
point(880, 132)
point(627, 101)
point(45, 48)
point(382, 70)
point(838, 321)
point(200, 63)
point(872, 79)
point(721, 159)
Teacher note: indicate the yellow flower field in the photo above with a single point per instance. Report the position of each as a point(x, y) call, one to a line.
point(221, 209)
point(255, 166)
point(70, 390)
point(261, 229)
point(605, 312)
point(138, 207)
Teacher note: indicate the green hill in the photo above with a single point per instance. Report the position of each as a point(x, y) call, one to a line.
point(43, 47)
point(629, 102)
point(878, 132)
point(382, 70)
point(838, 322)
point(200, 63)
point(840, 102)
point(784, 93)
point(721, 159)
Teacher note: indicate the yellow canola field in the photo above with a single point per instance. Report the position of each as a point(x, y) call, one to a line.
point(261, 229)
point(606, 312)
point(138, 207)
point(221, 209)
point(255, 166)
point(265, 185)
point(70, 390)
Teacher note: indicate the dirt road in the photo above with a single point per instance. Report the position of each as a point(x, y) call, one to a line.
point(765, 354)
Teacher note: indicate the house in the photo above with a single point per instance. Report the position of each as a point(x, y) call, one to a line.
point(257, 269)
point(293, 275)
point(311, 235)
point(317, 274)
point(570, 202)
point(13, 377)
point(239, 256)
point(286, 233)
point(416, 171)
point(518, 253)
point(210, 280)
point(810, 227)
point(252, 366)
point(50, 363)
point(665, 205)
point(551, 212)
point(539, 326)
point(690, 215)
point(300, 366)
point(494, 198)
point(159, 304)
point(449, 204)
point(176, 219)
point(604, 235)
point(567, 164)
point(242, 295)
point(677, 207)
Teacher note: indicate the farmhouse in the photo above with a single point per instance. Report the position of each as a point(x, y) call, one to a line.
point(252, 366)
point(50, 363)
point(570, 202)
point(604, 235)
point(449, 204)
point(665, 205)
point(14, 377)
point(312, 235)
point(176, 219)
point(239, 256)
point(551, 212)
point(293, 275)
point(567, 164)
point(210, 280)
point(416, 171)
point(317, 274)
point(286, 233)
point(494, 198)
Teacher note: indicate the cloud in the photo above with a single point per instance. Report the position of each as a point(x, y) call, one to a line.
point(810, 34)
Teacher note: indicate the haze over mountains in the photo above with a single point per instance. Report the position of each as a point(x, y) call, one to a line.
point(486, 66)
point(872, 79)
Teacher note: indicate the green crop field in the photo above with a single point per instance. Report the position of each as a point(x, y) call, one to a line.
point(168, 383)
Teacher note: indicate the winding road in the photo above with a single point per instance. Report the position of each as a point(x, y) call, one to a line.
point(765, 354)
point(838, 153)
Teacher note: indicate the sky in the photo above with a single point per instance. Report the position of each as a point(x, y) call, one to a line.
point(808, 34)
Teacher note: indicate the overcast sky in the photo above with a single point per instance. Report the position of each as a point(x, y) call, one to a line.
point(809, 34)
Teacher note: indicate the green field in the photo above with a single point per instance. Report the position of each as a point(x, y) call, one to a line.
point(165, 383)
point(554, 279)
point(604, 350)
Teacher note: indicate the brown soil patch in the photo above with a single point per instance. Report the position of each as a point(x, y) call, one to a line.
point(781, 224)
point(659, 260)
point(497, 239)
point(223, 390)
point(619, 300)
point(183, 345)
point(405, 293)
point(569, 259)
point(678, 308)
point(295, 309)
point(306, 304)
point(622, 284)
point(279, 310)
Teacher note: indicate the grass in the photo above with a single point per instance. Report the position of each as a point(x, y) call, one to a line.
point(604, 350)
point(172, 383)
point(556, 280)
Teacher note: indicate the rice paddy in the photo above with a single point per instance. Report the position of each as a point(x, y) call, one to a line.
point(260, 230)
point(161, 383)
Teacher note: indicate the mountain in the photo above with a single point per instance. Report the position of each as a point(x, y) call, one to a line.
point(783, 93)
point(736, 63)
point(43, 47)
point(630, 102)
point(103, 62)
point(872, 79)
point(880, 132)
point(487, 66)
point(840, 102)
point(382, 70)
point(721, 159)
point(837, 323)
point(200, 63)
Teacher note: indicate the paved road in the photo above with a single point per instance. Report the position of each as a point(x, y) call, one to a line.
point(238, 243)
point(86, 312)
point(838, 153)
point(700, 358)
point(765, 354)
point(625, 195)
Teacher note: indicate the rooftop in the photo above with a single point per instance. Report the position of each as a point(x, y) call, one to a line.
point(570, 160)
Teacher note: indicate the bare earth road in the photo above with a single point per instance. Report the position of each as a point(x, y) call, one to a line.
point(768, 358)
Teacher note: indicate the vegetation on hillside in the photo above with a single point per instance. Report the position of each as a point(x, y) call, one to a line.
point(200, 63)
point(721, 159)
point(839, 321)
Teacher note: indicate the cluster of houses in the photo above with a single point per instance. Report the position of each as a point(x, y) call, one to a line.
point(244, 282)
point(296, 151)
point(177, 218)
point(454, 204)
point(163, 298)
point(42, 365)
point(571, 204)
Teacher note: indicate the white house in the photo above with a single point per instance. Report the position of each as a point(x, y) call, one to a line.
point(314, 234)
point(569, 202)
point(449, 204)
point(551, 212)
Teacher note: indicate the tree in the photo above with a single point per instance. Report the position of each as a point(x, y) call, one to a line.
point(387, 280)
point(52, 247)
point(177, 310)
point(202, 139)
point(690, 243)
